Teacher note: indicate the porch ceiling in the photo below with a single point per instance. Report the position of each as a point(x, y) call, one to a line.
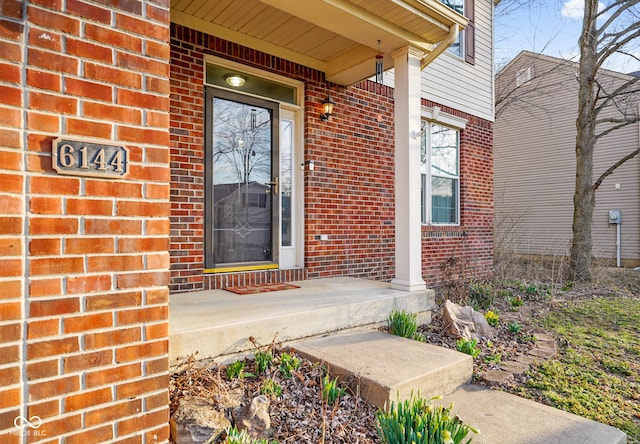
point(338, 37)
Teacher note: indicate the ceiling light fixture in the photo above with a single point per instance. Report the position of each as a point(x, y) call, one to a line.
point(235, 80)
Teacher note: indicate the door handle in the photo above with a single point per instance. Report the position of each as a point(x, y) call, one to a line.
point(274, 185)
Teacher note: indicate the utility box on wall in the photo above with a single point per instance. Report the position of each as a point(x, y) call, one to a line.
point(615, 217)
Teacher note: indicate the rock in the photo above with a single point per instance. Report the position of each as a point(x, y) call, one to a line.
point(465, 322)
point(513, 367)
point(196, 421)
point(254, 418)
point(496, 378)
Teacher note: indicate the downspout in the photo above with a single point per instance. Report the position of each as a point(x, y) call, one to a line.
point(442, 47)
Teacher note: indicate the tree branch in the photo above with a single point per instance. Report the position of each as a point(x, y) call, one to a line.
point(613, 168)
point(623, 5)
point(614, 128)
point(625, 89)
point(610, 49)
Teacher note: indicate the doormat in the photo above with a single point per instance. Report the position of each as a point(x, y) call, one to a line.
point(261, 288)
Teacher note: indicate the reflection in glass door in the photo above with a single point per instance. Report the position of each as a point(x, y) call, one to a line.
point(244, 180)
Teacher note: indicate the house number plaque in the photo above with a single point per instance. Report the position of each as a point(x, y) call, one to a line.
point(82, 158)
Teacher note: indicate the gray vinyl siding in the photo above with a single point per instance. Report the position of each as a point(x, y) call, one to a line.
point(534, 167)
point(450, 81)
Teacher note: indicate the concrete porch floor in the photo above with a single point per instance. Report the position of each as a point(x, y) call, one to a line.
point(218, 323)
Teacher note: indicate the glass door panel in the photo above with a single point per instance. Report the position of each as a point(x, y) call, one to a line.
point(244, 181)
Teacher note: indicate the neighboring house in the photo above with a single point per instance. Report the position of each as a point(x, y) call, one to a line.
point(149, 147)
point(535, 131)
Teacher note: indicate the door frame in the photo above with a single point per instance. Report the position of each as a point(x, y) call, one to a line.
point(298, 174)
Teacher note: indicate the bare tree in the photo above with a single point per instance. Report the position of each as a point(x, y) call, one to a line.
point(604, 106)
point(606, 30)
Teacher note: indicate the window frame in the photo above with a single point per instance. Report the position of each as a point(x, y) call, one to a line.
point(430, 117)
point(466, 38)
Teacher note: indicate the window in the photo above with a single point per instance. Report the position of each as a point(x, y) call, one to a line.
point(458, 6)
point(440, 174)
point(466, 49)
point(523, 76)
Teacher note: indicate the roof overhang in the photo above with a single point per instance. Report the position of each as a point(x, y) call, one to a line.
point(339, 37)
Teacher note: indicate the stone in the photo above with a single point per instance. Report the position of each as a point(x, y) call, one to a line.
point(254, 418)
point(525, 360)
point(514, 367)
point(197, 421)
point(496, 378)
point(465, 322)
point(543, 337)
point(543, 353)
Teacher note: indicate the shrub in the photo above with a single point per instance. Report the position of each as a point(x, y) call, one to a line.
point(271, 387)
point(515, 302)
point(494, 358)
point(236, 437)
point(416, 420)
point(402, 323)
point(288, 364)
point(514, 327)
point(468, 346)
point(263, 361)
point(236, 370)
point(480, 296)
point(331, 392)
point(492, 318)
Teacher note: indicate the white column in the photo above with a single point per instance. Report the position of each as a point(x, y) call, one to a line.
point(407, 169)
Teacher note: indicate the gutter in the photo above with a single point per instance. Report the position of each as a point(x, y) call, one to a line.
point(442, 47)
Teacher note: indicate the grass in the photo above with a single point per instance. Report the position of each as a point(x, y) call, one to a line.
point(597, 374)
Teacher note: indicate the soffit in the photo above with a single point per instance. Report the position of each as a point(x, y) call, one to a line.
point(338, 37)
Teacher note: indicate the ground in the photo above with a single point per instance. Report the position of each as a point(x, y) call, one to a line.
point(582, 319)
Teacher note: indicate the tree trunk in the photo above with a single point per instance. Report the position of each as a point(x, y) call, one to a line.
point(584, 196)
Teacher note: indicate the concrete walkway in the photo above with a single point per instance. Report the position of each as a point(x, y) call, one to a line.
point(384, 368)
point(508, 419)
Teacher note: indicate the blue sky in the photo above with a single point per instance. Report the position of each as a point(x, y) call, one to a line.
point(551, 27)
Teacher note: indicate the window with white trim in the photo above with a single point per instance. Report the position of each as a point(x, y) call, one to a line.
point(440, 168)
point(464, 46)
point(458, 6)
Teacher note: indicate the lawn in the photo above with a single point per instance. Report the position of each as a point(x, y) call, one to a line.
point(597, 373)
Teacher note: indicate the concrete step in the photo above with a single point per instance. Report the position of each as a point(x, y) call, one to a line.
point(508, 419)
point(218, 323)
point(384, 368)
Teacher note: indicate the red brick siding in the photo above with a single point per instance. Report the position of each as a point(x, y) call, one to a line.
point(349, 196)
point(92, 253)
point(471, 243)
point(12, 246)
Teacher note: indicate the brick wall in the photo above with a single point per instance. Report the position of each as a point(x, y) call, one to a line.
point(84, 300)
point(468, 246)
point(348, 197)
point(350, 194)
point(12, 220)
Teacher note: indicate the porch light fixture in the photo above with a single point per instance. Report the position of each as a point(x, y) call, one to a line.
point(235, 80)
point(327, 108)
